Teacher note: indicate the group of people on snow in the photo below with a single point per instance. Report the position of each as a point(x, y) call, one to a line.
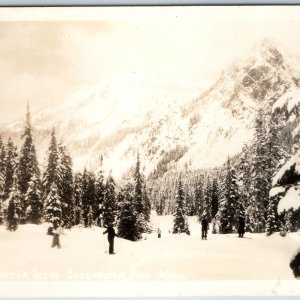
point(56, 230)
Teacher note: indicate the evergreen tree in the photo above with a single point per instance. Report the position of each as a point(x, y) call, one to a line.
point(77, 196)
point(53, 206)
point(13, 209)
point(66, 186)
point(159, 202)
point(274, 156)
point(52, 172)
point(109, 203)
point(229, 200)
point(207, 201)
point(199, 195)
point(189, 197)
point(215, 197)
point(2, 219)
point(28, 164)
point(129, 226)
point(138, 187)
point(90, 217)
point(140, 197)
point(88, 195)
point(271, 225)
point(1, 195)
point(100, 192)
point(275, 151)
point(147, 204)
point(10, 167)
point(260, 186)
point(180, 219)
point(34, 209)
point(2, 157)
point(245, 187)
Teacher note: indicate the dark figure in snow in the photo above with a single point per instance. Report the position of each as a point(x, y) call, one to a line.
point(13, 225)
point(295, 265)
point(57, 231)
point(158, 233)
point(110, 236)
point(50, 230)
point(204, 228)
point(241, 229)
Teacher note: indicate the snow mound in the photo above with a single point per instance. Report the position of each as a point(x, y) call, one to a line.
point(290, 200)
point(294, 160)
point(291, 99)
point(275, 191)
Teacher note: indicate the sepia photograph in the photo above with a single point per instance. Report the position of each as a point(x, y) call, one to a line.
point(150, 151)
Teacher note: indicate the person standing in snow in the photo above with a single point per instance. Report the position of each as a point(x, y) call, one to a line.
point(204, 228)
point(57, 231)
point(241, 229)
point(110, 236)
point(158, 233)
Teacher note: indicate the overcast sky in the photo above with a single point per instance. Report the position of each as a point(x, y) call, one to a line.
point(46, 53)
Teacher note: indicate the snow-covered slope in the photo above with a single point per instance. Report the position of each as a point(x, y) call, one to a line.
point(116, 119)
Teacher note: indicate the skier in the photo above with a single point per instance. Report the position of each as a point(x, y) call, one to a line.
point(57, 231)
point(241, 229)
point(204, 228)
point(158, 233)
point(110, 236)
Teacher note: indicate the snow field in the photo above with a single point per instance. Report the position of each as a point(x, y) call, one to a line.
point(27, 255)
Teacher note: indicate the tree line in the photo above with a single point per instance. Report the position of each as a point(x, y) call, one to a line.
point(238, 189)
point(57, 194)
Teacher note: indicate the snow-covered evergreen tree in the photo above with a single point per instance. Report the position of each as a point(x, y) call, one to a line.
point(2, 157)
point(77, 198)
point(215, 197)
point(99, 193)
point(10, 167)
point(129, 226)
point(259, 191)
point(34, 209)
point(138, 186)
point(14, 208)
point(88, 196)
point(275, 151)
point(244, 176)
point(271, 225)
point(109, 203)
point(52, 173)
point(90, 217)
point(53, 206)
point(180, 218)
point(140, 196)
point(207, 205)
point(229, 199)
point(66, 185)
point(276, 155)
point(199, 195)
point(28, 164)
point(1, 190)
point(147, 204)
point(2, 219)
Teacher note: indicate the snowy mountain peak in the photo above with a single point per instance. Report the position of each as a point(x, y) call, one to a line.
point(170, 130)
